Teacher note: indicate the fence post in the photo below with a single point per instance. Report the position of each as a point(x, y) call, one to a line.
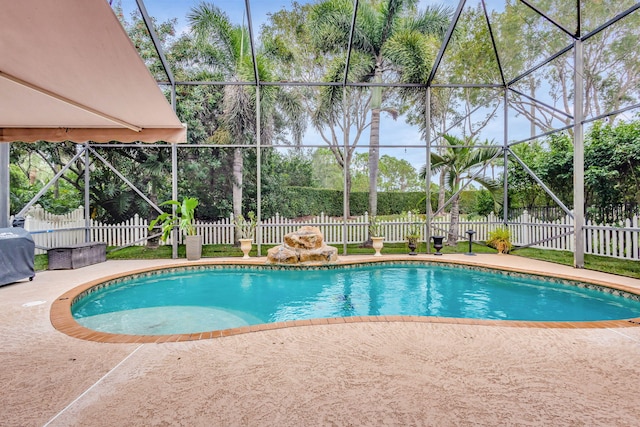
point(526, 220)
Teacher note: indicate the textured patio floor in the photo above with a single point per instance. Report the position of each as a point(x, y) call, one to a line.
point(375, 373)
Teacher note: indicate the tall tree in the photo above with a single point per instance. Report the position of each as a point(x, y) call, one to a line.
point(468, 60)
point(390, 38)
point(225, 47)
point(398, 175)
point(611, 75)
point(524, 191)
point(556, 166)
point(612, 167)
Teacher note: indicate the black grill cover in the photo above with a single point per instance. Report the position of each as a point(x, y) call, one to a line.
point(17, 252)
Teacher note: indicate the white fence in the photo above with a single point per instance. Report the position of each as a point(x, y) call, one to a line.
point(49, 230)
point(618, 240)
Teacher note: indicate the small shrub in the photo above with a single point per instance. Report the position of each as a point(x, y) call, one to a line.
point(375, 227)
point(414, 233)
point(246, 226)
point(500, 239)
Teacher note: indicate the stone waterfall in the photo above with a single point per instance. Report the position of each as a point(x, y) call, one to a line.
point(305, 246)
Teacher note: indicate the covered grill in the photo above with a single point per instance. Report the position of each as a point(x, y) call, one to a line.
point(17, 252)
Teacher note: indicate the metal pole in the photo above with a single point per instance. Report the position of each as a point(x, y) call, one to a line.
point(578, 156)
point(345, 171)
point(505, 195)
point(87, 187)
point(174, 171)
point(428, 168)
point(174, 195)
point(156, 41)
point(5, 187)
point(258, 172)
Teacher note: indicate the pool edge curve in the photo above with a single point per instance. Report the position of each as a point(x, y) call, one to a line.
point(62, 319)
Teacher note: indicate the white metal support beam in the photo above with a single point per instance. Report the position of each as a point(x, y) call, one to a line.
point(174, 196)
point(578, 156)
point(4, 185)
point(427, 168)
point(258, 235)
point(505, 153)
point(87, 193)
point(345, 171)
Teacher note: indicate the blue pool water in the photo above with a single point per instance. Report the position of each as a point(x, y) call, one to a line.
point(187, 301)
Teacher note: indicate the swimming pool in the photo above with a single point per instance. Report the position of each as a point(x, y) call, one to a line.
point(194, 300)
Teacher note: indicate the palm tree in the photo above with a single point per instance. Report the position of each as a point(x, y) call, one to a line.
point(460, 159)
point(390, 38)
point(226, 48)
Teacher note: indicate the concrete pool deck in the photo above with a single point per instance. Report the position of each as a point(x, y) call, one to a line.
point(368, 373)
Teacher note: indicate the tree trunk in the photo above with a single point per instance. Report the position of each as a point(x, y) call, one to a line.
point(441, 189)
point(347, 188)
point(56, 185)
point(374, 142)
point(452, 237)
point(238, 166)
point(153, 243)
point(374, 160)
point(441, 192)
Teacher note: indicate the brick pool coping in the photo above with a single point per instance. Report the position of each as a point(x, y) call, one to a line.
point(62, 319)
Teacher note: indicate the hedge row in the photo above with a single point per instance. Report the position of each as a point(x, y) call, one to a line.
point(303, 201)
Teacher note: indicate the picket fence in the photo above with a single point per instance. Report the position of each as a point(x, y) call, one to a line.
point(620, 240)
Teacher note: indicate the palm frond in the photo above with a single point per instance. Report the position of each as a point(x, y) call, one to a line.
point(211, 26)
point(460, 157)
point(433, 20)
point(330, 23)
point(414, 53)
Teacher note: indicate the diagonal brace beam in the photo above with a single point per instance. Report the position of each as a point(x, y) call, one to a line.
point(50, 183)
point(541, 184)
point(126, 181)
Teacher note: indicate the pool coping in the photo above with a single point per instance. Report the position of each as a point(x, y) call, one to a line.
point(63, 321)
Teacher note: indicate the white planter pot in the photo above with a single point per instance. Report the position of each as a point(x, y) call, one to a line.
point(194, 247)
point(377, 245)
point(245, 246)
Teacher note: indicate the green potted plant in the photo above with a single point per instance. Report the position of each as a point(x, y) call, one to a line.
point(412, 236)
point(184, 219)
point(500, 239)
point(376, 235)
point(246, 228)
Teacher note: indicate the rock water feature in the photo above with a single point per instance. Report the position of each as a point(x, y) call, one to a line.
point(305, 246)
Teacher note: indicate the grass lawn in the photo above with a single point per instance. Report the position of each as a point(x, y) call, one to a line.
point(592, 262)
point(618, 266)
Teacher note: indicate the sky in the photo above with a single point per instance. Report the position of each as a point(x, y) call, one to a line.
point(393, 132)
point(167, 9)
